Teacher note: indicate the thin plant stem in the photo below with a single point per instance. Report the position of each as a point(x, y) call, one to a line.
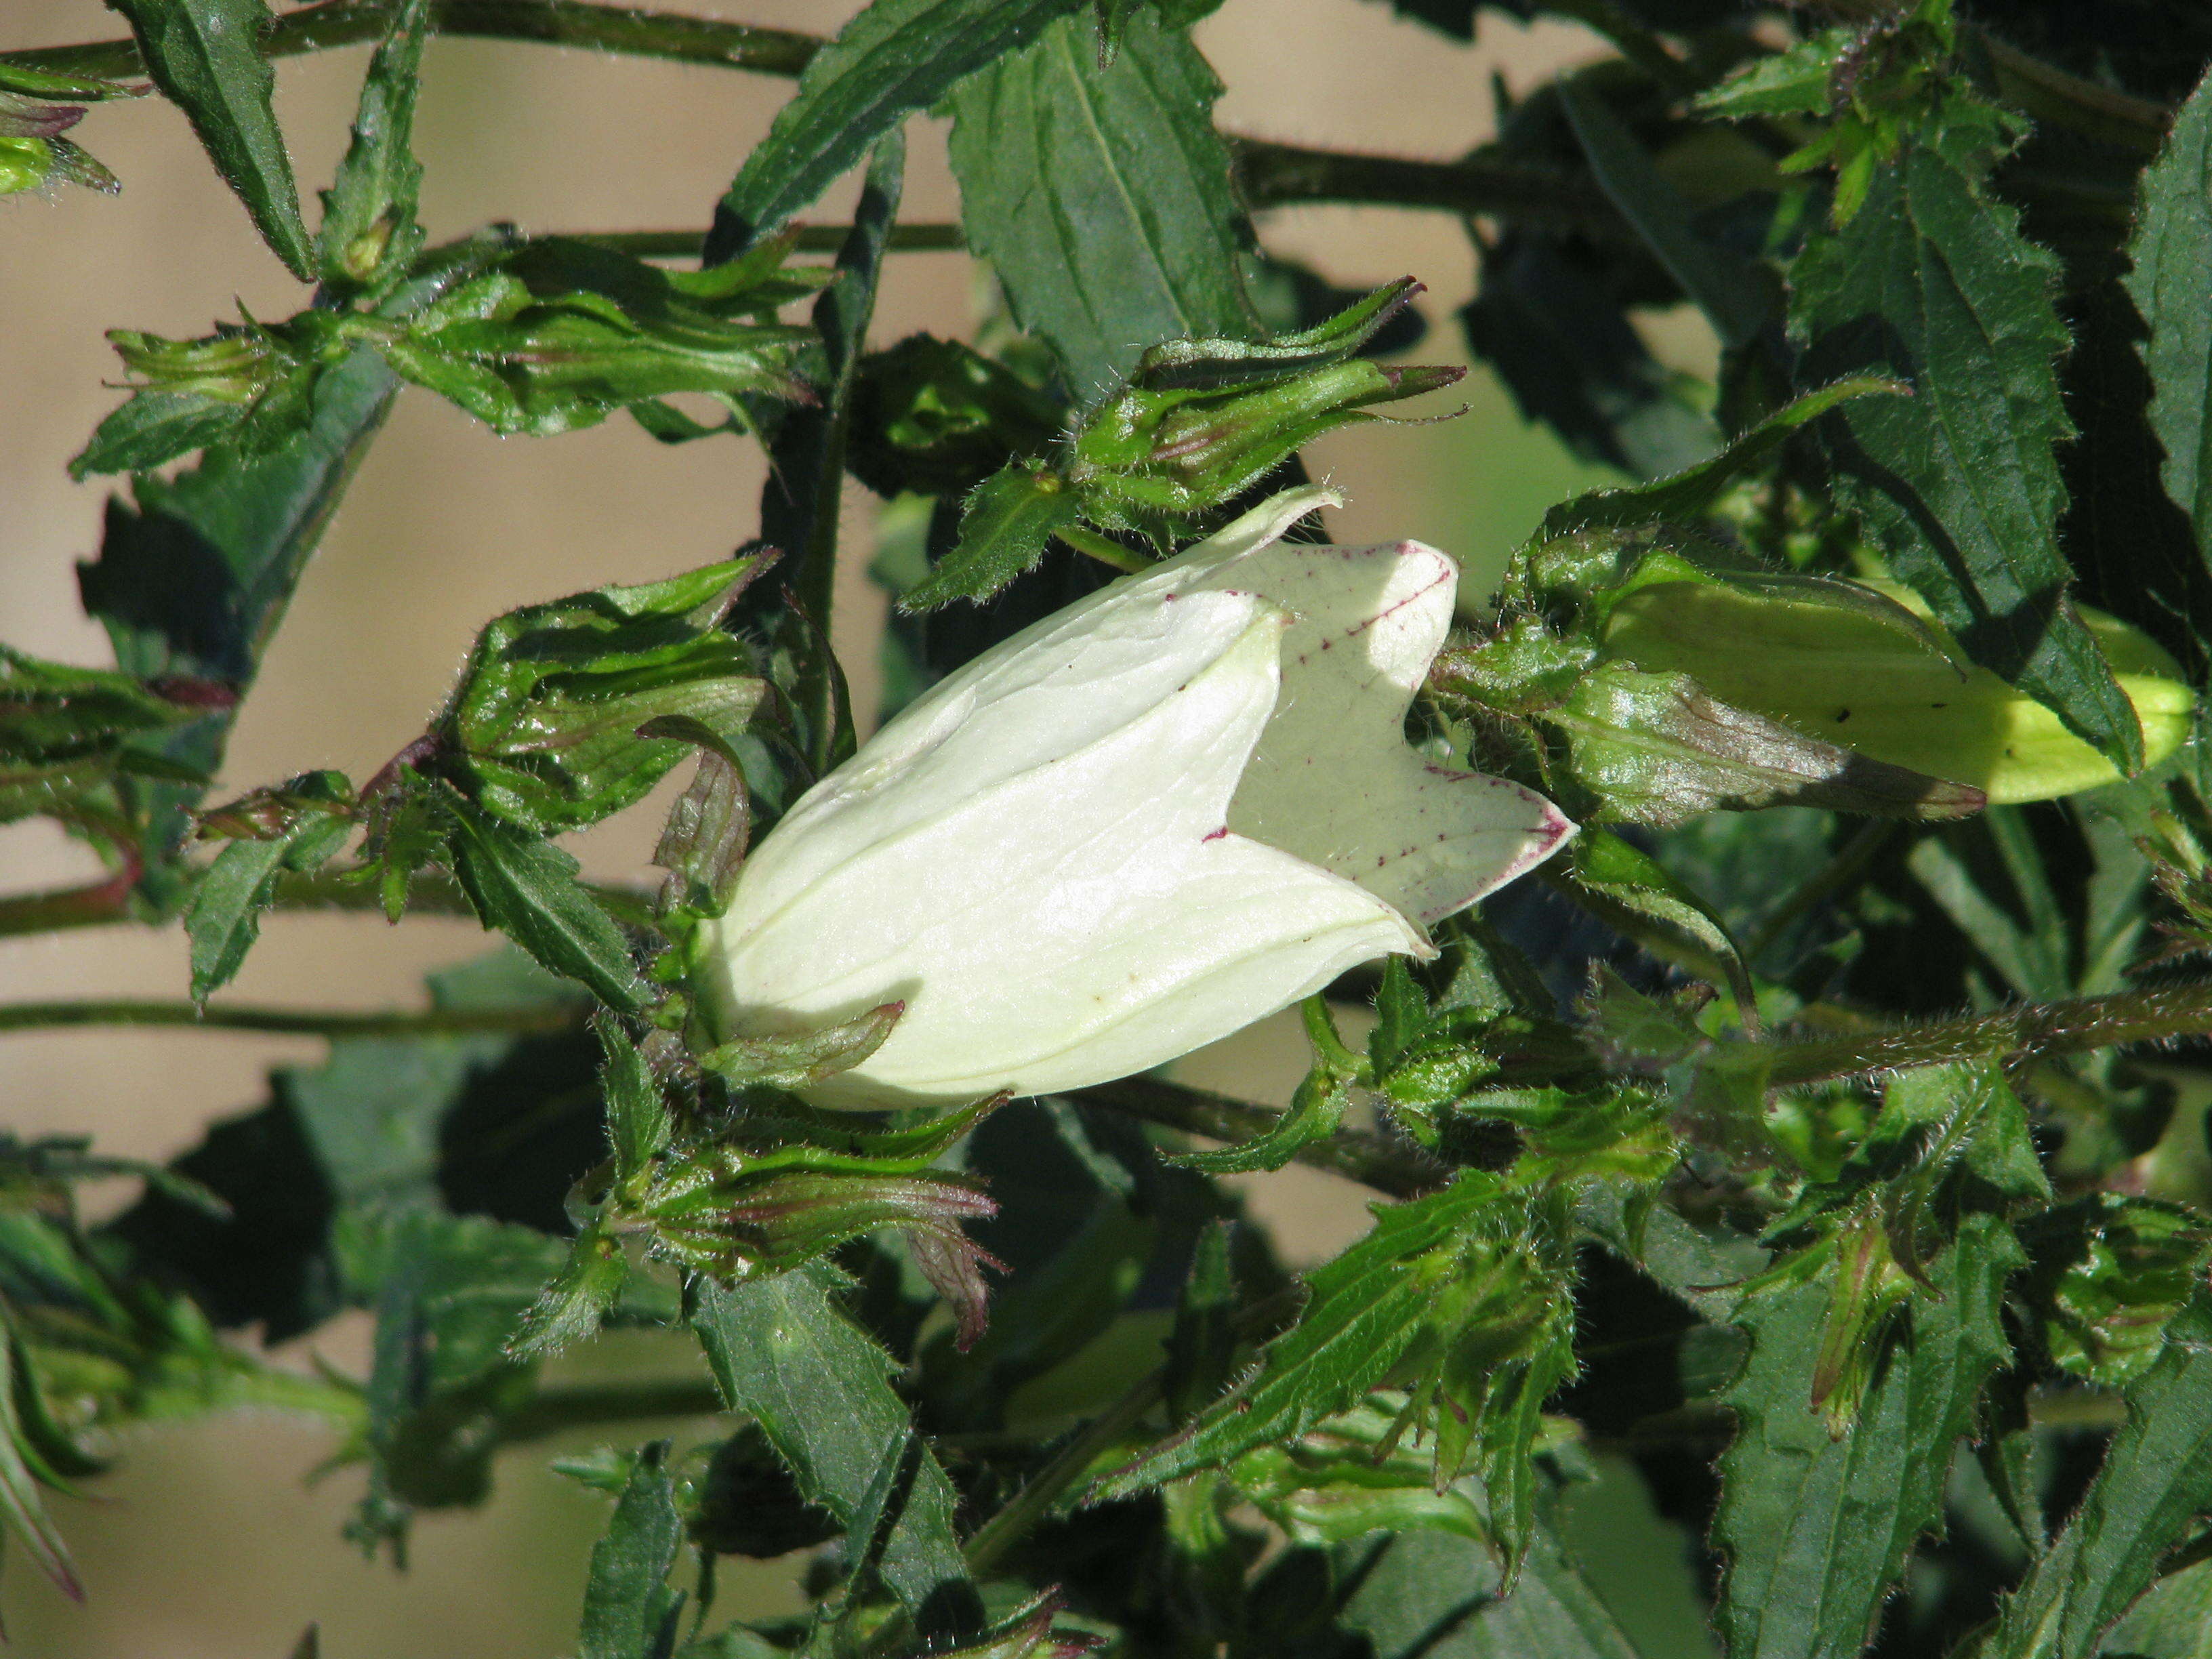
point(630, 30)
point(812, 238)
point(284, 1021)
point(2033, 1031)
point(551, 1410)
point(1014, 1520)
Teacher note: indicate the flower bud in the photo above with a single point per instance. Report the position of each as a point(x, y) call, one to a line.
point(1890, 691)
point(1135, 827)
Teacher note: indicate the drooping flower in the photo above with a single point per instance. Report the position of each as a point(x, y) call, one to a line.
point(1136, 827)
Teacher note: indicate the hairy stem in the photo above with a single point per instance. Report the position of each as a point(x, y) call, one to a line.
point(551, 1410)
point(284, 1022)
point(1367, 1159)
point(1280, 175)
point(2035, 1030)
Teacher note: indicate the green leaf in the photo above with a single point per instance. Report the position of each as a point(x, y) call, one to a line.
point(1684, 495)
point(22, 1512)
point(1101, 197)
point(638, 1122)
point(1004, 528)
point(369, 229)
point(1352, 1476)
point(783, 1352)
point(1659, 749)
point(223, 918)
point(558, 333)
point(1431, 1595)
point(527, 887)
point(1729, 288)
point(2155, 1482)
point(2112, 1272)
point(2174, 1621)
point(205, 56)
point(1818, 1527)
point(895, 57)
point(152, 429)
point(1632, 892)
point(2170, 277)
point(1461, 1297)
point(66, 731)
point(801, 1058)
point(1932, 280)
point(629, 1611)
point(702, 845)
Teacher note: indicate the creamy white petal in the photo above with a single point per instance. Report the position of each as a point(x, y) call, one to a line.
point(1334, 780)
point(1136, 826)
point(1086, 917)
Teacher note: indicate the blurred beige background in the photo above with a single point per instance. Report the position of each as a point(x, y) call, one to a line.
point(207, 1543)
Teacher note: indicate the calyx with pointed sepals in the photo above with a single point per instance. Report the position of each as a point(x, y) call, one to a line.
point(738, 1183)
point(1140, 823)
point(1196, 424)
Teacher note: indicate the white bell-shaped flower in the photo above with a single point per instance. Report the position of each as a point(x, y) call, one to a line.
point(1143, 822)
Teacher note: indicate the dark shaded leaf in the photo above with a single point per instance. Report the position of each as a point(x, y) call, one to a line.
point(1931, 281)
point(205, 56)
point(2155, 1482)
point(1817, 1526)
point(1733, 293)
point(806, 461)
point(1684, 495)
point(1430, 1595)
point(527, 888)
point(1572, 360)
point(629, 1611)
point(895, 57)
point(782, 1351)
point(1005, 527)
point(2170, 279)
point(1101, 197)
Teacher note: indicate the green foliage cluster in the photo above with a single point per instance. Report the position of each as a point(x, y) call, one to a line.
point(1691, 1172)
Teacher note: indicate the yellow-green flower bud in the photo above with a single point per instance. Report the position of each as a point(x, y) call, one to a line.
point(1890, 691)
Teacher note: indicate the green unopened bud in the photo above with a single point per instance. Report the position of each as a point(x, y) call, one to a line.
point(1200, 421)
point(24, 164)
point(1889, 690)
point(236, 364)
